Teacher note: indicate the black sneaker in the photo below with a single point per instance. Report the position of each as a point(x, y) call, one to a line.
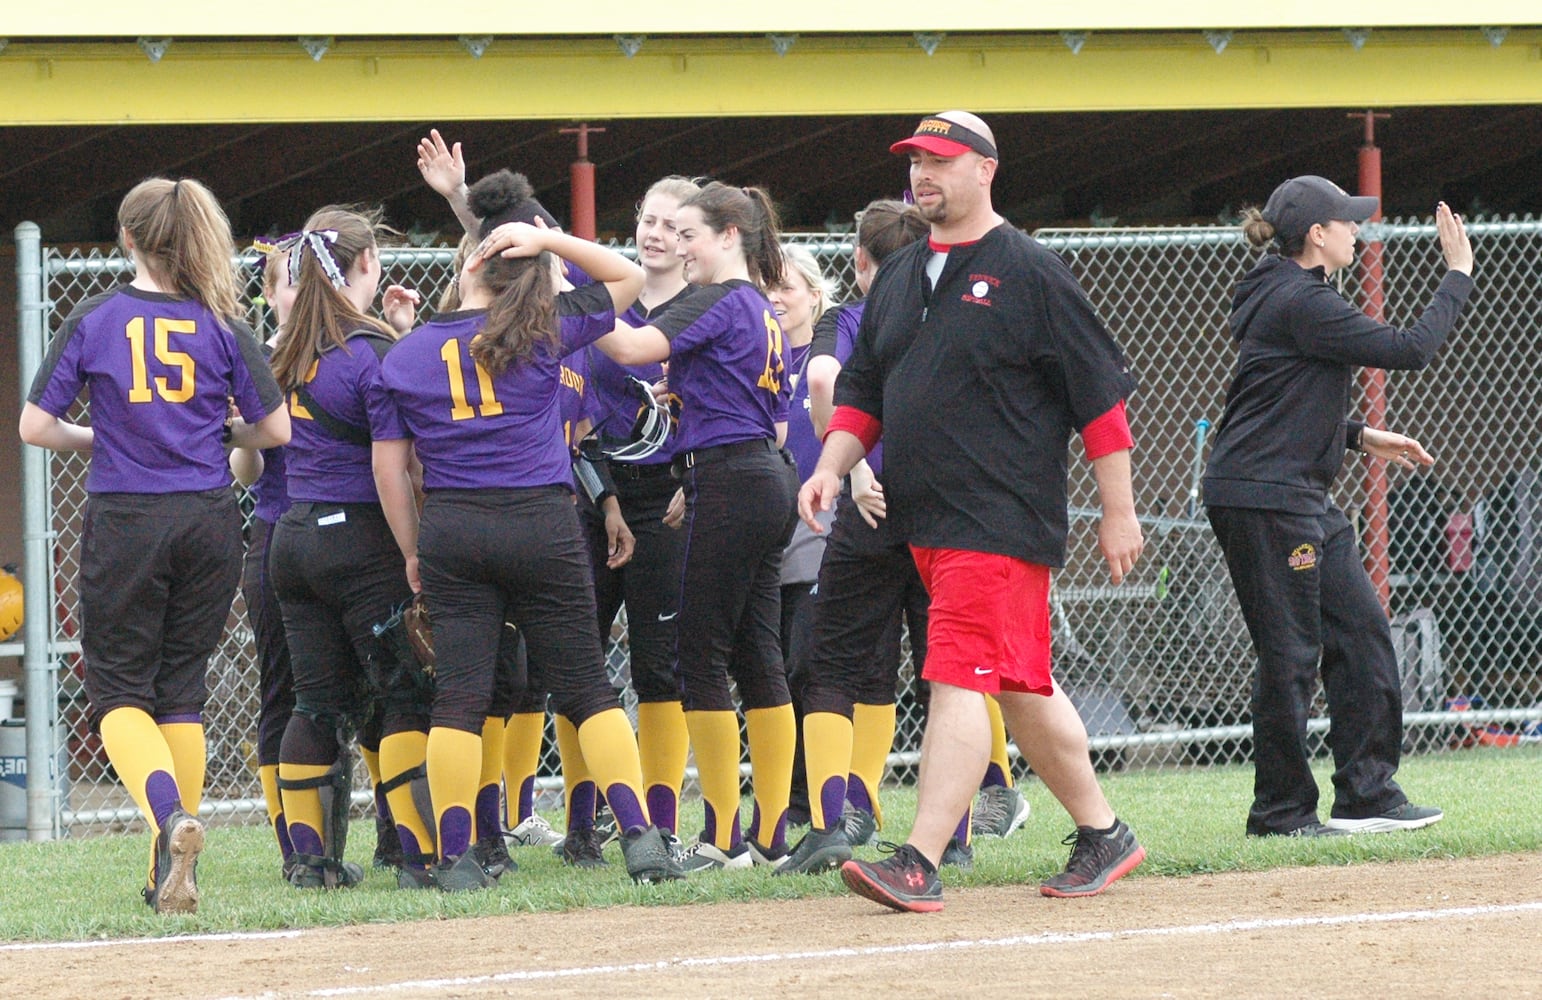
point(388, 846)
point(998, 812)
point(582, 848)
point(818, 851)
point(861, 827)
point(413, 877)
point(1405, 817)
point(462, 874)
point(605, 826)
point(960, 856)
point(176, 865)
point(1098, 860)
point(906, 881)
point(648, 858)
point(493, 855)
point(311, 872)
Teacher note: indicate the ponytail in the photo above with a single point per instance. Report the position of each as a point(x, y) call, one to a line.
point(183, 237)
point(751, 211)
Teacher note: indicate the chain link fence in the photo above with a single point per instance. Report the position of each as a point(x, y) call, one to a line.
point(1160, 666)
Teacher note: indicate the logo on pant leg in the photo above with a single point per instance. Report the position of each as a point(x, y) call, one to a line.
point(1303, 557)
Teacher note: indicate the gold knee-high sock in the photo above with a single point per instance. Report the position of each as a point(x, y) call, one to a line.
point(189, 754)
point(454, 764)
point(715, 740)
point(575, 770)
point(400, 753)
point(267, 774)
point(138, 751)
point(610, 754)
point(487, 780)
point(662, 743)
point(999, 740)
point(302, 807)
point(773, 739)
point(371, 764)
point(872, 736)
point(522, 736)
point(827, 745)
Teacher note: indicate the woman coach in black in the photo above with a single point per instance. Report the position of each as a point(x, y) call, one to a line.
point(1291, 552)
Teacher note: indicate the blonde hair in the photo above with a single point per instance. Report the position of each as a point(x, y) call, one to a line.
point(802, 260)
point(183, 237)
point(676, 186)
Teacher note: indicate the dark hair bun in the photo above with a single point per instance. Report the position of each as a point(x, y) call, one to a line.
point(505, 197)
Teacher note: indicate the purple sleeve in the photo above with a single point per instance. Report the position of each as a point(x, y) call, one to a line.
point(695, 322)
point(584, 315)
point(256, 393)
point(64, 380)
point(385, 419)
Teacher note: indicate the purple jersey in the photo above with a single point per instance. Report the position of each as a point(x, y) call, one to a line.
point(344, 383)
point(161, 371)
point(613, 404)
point(835, 336)
point(475, 431)
point(270, 493)
point(572, 398)
point(725, 362)
point(801, 439)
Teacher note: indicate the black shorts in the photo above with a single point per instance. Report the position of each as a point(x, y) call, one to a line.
point(338, 572)
point(514, 555)
point(158, 573)
point(275, 676)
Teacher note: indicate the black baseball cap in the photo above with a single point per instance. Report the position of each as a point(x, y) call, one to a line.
point(1303, 202)
point(945, 137)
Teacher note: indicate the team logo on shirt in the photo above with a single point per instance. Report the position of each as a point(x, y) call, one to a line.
point(980, 286)
point(1303, 557)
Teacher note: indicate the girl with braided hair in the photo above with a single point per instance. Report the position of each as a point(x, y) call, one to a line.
point(162, 357)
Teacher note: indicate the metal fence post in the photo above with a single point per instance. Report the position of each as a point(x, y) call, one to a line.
point(37, 663)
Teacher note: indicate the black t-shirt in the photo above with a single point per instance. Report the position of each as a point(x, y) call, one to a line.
point(979, 386)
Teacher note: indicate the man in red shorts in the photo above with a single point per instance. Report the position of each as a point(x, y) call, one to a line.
point(978, 357)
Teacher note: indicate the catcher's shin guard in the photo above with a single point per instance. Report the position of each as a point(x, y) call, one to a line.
point(336, 790)
point(416, 780)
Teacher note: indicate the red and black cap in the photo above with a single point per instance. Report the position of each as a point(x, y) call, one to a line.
point(946, 138)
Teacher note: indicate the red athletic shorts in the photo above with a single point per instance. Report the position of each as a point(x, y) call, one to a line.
point(989, 621)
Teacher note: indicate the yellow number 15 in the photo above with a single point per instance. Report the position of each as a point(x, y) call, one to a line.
point(140, 391)
point(771, 378)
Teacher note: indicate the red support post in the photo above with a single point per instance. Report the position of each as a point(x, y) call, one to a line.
point(1373, 381)
point(581, 174)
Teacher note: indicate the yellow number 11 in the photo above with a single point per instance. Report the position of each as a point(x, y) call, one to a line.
point(460, 408)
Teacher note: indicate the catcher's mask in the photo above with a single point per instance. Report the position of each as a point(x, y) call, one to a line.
point(651, 429)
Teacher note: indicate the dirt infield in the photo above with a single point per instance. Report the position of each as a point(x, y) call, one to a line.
point(1434, 928)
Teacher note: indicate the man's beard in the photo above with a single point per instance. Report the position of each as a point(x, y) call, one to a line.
point(936, 212)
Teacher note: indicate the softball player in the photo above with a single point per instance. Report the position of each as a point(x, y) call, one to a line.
point(161, 540)
point(649, 583)
point(262, 472)
point(500, 540)
point(724, 348)
point(335, 565)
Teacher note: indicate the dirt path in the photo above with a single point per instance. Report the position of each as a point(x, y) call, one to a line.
point(1436, 928)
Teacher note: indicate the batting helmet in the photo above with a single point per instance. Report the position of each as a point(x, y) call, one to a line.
point(651, 429)
point(10, 603)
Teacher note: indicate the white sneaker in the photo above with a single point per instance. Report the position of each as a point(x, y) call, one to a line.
point(704, 856)
point(534, 832)
point(1405, 817)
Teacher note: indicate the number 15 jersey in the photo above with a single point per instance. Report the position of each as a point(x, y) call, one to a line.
point(161, 371)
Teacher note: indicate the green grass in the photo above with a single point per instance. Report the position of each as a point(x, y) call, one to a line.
point(1190, 821)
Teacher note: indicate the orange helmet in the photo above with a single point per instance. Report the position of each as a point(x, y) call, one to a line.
point(10, 603)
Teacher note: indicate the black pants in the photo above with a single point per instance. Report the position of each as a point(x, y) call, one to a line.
point(338, 572)
point(157, 575)
point(516, 555)
point(649, 584)
point(1309, 604)
point(867, 583)
point(739, 516)
point(275, 675)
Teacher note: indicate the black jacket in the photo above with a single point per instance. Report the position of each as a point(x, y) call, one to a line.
point(1281, 441)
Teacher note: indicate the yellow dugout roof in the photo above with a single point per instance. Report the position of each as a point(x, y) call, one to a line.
point(199, 18)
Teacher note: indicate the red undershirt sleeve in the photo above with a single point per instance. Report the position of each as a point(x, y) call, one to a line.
point(1105, 435)
point(854, 421)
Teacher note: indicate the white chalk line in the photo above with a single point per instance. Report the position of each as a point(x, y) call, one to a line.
point(170, 939)
point(912, 948)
